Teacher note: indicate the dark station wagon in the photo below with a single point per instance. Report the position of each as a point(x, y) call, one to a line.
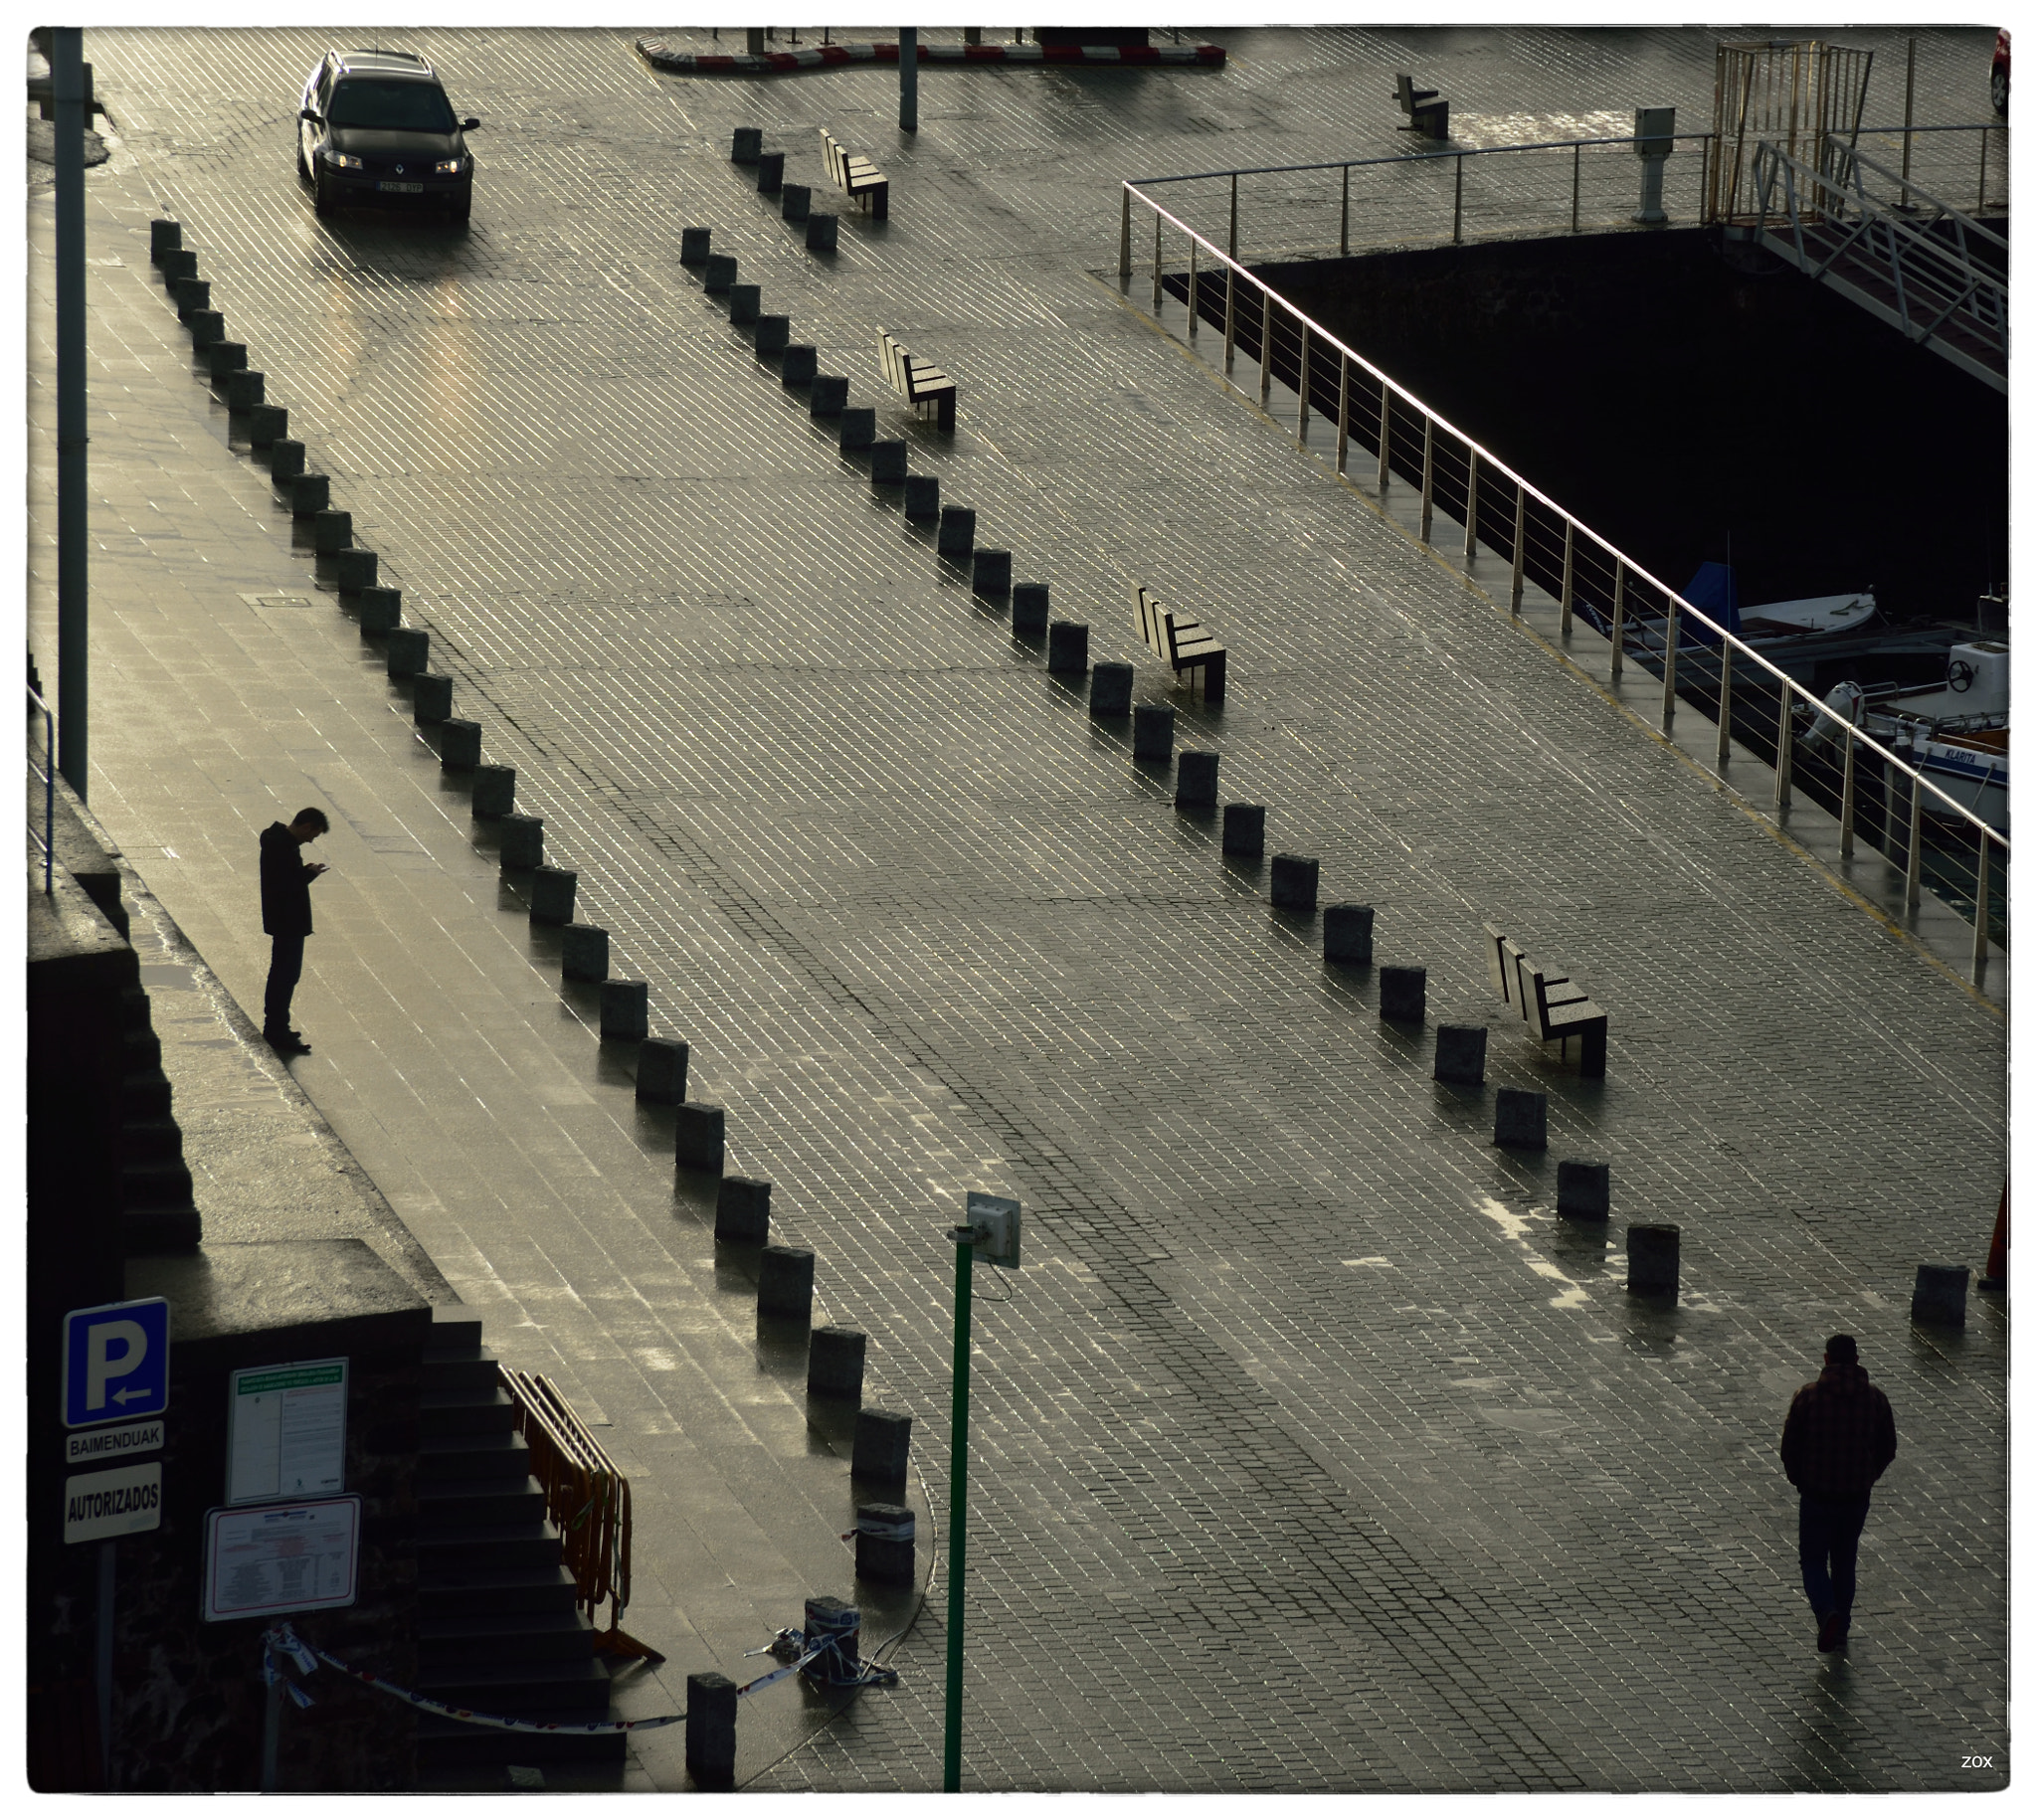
point(376, 126)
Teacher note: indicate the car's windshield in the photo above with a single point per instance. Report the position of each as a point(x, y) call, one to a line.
point(397, 107)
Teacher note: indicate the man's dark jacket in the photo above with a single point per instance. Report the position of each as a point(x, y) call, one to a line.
point(286, 883)
point(1840, 1435)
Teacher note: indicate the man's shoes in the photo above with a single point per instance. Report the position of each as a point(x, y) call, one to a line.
point(286, 1042)
point(1832, 1632)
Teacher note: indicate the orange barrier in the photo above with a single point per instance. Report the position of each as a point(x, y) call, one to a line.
point(587, 1498)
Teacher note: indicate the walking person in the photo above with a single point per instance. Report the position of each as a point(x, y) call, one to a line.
point(1838, 1440)
point(287, 920)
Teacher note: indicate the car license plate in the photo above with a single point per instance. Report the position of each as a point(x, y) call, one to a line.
point(407, 189)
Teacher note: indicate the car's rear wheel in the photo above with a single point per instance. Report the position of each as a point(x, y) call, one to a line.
point(1998, 90)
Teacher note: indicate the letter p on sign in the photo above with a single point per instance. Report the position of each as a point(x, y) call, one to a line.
point(116, 1362)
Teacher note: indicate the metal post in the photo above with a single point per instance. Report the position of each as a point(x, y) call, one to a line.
point(66, 71)
point(102, 1676)
point(1229, 317)
point(1233, 213)
point(1785, 747)
point(1620, 615)
point(957, 1507)
point(1301, 422)
point(908, 79)
point(1343, 408)
point(1428, 473)
point(1472, 506)
point(1913, 882)
point(1981, 202)
point(1344, 223)
point(1265, 347)
point(1193, 249)
point(1908, 111)
point(1980, 885)
point(1726, 707)
point(1847, 803)
point(1669, 637)
point(1457, 211)
point(1577, 174)
point(1520, 546)
point(1125, 241)
point(1156, 261)
point(1569, 572)
point(1386, 435)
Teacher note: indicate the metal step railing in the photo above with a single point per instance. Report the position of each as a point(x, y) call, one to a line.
point(46, 775)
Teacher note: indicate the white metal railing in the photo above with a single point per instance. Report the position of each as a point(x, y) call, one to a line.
point(1566, 558)
point(46, 775)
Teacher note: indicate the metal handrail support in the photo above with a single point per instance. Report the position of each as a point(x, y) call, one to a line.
point(48, 773)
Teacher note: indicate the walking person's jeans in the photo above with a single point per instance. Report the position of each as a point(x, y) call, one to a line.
point(286, 968)
point(1827, 1544)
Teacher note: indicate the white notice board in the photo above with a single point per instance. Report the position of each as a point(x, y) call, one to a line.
point(286, 1430)
point(280, 1558)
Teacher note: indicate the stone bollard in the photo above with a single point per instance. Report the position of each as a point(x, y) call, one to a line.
point(830, 395)
point(1153, 732)
point(989, 573)
point(785, 1283)
point(1583, 1190)
point(857, 428)
point(1244, 830)
point(1940, 1297)
point(698, 1129)
point(923, 498)
point(625, 1011)
point(354, 570)
point(888, 464)
point(821, 232)
point(1194, 780)
point(332, 530)
point(223, 357)
point(191, 294)
point(430, 699)
point(712, 1730)
point(883, 1447)
point(797, 364)
point(796, 201)
point(460, 745)
point(770, 174)
point(285, 459)
point(164, 235)
point(840, 1624)
point(1110, 689)
point(1067, 647)
point(180, 262)
point(523, 843)
point(310, 494)
point(494, 795)
point(410, 650)
point(957, 536)
point(773, 333)
point(884, 1539)
point(1520, 1119)
point(267, 428)
point(662, 1070)
point(207, 326)
point(584, 951)
point(835, 1363)
point(742, 1205)
point(1403, 995)
point(1294, 881)
point(1653, 1254)
point(744, 300)
point(719, 274)
point(552, 891)
point(693, 244)
point(1460, 1055)
point(747, 146)
point(1028, 611)
point(1347, 940)
point(244, 390)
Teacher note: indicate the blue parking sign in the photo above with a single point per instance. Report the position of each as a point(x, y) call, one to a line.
point(116, 1362)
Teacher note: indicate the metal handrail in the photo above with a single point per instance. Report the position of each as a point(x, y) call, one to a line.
point(1733, 649)
point(46, 840)
point(1353, 164)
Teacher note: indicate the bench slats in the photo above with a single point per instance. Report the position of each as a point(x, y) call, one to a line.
point(1555, 1006)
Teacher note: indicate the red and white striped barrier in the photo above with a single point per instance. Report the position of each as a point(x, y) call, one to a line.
point(778, 63)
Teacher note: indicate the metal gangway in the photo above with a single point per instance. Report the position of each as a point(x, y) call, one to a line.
point(1899, 252)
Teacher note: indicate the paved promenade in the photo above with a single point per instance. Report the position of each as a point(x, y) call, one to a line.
point(1311, 1451)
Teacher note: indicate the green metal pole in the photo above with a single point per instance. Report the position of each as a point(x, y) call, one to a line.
point(958, 1504)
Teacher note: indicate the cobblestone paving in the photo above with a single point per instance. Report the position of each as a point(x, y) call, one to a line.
point(1311, 1451)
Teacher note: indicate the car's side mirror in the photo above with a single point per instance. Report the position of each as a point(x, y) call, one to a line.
point(469, 125)
point(305, 113)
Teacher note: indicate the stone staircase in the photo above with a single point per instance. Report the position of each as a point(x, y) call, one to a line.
point(497, 1627)
point(158, 1213)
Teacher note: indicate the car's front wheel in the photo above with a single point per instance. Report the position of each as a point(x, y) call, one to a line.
point(1998, 90)
point(321, 194)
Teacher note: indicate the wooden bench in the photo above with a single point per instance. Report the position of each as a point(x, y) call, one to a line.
point(866, 185)
point(1555, 1006)
point(920, 383)
point(1426, 114)
point(1183, 643)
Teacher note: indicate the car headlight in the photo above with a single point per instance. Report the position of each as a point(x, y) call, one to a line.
point(346, 161)
point(448, 167)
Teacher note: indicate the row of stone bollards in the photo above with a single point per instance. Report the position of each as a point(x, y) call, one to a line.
point(795, 200)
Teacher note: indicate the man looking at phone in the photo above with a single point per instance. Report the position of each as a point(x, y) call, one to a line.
point(287, 920)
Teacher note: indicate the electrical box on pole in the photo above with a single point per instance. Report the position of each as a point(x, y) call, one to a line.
point(1654, 141)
